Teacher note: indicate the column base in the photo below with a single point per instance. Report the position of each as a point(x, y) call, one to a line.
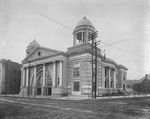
point(43, 91)
point(34, 91)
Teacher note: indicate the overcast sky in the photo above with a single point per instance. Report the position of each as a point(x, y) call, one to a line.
point(115, 20)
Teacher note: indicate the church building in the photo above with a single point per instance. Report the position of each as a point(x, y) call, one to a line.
point(48, 71)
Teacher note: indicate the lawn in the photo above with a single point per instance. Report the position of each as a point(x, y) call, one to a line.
point(24, 108)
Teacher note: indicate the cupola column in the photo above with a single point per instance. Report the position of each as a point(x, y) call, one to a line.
point(74, 43)
point(86, 36)
point(82, 38)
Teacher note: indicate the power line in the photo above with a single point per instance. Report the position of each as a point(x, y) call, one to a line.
point(123, 50)
point(115, 42)
point(101, 41)
point(53, 20)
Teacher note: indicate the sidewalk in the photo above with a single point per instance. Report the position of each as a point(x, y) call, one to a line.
point(72, 97)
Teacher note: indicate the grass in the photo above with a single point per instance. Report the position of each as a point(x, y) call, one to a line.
point(23, 108)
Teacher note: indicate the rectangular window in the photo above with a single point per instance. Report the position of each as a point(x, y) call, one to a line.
point(106, 72)
point(76, 86)
point(76, 71)
point(124, 77)
point(105, 84)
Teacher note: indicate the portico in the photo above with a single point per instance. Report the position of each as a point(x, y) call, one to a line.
point(41, 78)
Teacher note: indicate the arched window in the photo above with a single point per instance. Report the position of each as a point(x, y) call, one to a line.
point(39, 81)
point(48, 79)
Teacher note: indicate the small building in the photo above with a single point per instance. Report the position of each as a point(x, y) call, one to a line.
point(143, 85)
point(130, 83)
point(10, 77)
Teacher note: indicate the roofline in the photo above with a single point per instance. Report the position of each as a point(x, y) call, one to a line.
point(39, 48)
point(61, 53)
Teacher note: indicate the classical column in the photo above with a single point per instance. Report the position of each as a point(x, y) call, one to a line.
point(103, 76)
point(114, 79)
point(24, 77)
point(43, 74)
point(60, 73)
point(109, 77)
point(34, 82)
point(43, 85)
point(27, 80)
point(27, 76)
point(54, 73)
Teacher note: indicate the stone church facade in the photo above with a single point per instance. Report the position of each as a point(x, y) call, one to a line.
point(47, 71)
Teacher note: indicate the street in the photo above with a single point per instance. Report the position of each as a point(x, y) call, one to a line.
point(24, 108)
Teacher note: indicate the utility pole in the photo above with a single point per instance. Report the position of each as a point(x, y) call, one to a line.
point(93, 37)
point(95, 68)
point(92, 68)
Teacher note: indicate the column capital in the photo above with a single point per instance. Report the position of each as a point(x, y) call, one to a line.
point(35, 66)
point(54, 61)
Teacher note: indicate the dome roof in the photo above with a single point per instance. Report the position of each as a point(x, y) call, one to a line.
point(83, 24)
point(33, 44)
point(121, 66)
point(110, 61)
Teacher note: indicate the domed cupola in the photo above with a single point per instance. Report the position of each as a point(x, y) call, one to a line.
point(32, 46)
point(82, 30)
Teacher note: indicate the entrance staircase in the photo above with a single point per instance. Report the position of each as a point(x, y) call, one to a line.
point(123, 92)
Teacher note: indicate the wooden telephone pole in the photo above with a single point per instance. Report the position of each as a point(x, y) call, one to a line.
point(93, 37)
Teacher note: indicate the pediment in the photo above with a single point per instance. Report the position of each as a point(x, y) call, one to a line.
point(39, 53)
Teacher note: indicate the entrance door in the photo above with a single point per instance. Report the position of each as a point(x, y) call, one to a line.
point(49, 91)
point(38, 91)
point(124, 87)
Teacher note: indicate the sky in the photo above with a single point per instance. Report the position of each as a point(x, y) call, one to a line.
point(115, 20)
